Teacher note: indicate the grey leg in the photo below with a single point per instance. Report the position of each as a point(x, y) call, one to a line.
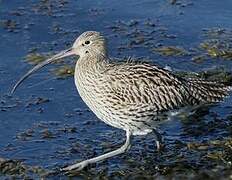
point(122, 149)
point(158, 140)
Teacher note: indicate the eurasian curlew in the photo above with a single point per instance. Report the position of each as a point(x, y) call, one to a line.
point(127, 95)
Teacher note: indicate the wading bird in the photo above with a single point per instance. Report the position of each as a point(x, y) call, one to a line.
point(128, 95)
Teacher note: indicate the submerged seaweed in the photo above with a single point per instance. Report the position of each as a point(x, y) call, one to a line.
point(64, 71)
point(170, 51)
point(17, 169)
point(35, 58)
point(218, 43)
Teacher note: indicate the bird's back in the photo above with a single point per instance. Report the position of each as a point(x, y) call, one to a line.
point(149, 84)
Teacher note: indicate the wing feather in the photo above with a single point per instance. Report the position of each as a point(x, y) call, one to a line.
point(146, 85)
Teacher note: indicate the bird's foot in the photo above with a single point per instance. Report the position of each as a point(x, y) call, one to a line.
point(76, 167)
point(159, 146)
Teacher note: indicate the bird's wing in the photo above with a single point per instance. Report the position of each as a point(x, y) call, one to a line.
point(145, 85)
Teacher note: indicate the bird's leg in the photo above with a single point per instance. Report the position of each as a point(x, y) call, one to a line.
point(122, 149)
point(158, 139)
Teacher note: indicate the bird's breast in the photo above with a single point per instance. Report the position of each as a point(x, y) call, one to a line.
point(92, 88)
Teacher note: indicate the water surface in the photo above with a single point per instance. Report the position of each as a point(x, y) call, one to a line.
point(47, 124)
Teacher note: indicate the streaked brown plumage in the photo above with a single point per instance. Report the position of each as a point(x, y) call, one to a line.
point(127, 95)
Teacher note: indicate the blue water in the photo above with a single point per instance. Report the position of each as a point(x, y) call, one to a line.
point(35, 29)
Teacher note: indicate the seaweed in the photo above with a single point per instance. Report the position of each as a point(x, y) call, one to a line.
point(35, 58)
point(170, 51)
point(64, 71)
point(17, 169)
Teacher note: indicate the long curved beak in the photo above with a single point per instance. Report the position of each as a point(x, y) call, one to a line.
point(62, 54)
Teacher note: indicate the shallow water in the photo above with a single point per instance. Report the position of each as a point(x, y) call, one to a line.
point(46, 123)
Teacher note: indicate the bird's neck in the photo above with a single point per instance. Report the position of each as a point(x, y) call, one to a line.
point(91, 64)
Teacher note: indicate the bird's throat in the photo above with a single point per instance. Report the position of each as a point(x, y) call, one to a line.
point(91, 64)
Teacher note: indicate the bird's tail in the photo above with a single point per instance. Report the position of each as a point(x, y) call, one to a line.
point(208, 92)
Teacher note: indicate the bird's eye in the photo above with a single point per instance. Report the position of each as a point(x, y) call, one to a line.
point(87, 42)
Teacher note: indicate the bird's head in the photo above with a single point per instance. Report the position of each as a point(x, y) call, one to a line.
point(89, 43)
